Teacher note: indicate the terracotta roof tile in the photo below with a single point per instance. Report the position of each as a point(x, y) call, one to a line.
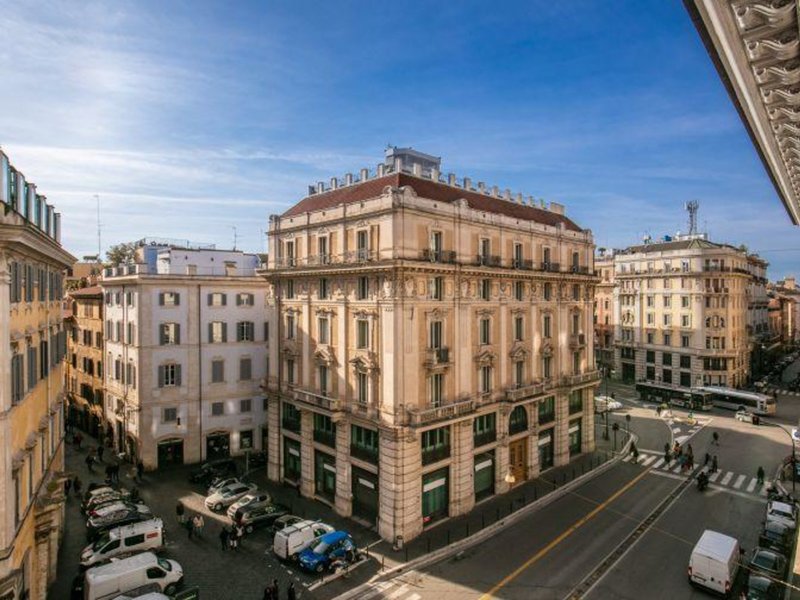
point(433, 190)
point(87, 292)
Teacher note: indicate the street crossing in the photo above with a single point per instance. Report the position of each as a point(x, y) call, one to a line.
point(396, 589)
point(722, 479)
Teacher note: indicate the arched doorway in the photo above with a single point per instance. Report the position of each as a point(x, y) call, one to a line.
point(518, 420)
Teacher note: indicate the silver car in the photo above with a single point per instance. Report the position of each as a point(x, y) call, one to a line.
point(249, 502)
point(229, 494)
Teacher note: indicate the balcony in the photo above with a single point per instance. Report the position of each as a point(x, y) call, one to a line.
point(551, 267)
point(438, 256)
point(581, 270)
point(522, 264)
point(317, 260)
point(369, 455)
point(527, 391)
point(360, 255)
point(423, 416)
point(437, 357)
point(488, 260)
point(720, 351)
point(364, 410)
point(317, 400)
point(580, 378)
point(577, 340)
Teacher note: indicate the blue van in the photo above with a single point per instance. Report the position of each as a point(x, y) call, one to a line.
point(327, 549)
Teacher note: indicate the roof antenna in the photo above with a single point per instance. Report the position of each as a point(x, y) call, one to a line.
point(235, 236)
point(691, 207)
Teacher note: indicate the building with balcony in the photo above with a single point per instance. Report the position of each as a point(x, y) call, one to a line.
point(433, 343)
point(32, 346)
point(682, 311)
point(83, 369)
point(604, 310)
point(186, 332)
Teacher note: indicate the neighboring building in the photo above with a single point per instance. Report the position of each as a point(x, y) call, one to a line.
point(604, 320)
point(682, 309)
point(84, 364)
point(433, 344)
point(82, 274)
point(185, 354)
point(753, 45)
point(32, 346)
point(785, 309)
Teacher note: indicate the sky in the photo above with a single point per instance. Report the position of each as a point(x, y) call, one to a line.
point(191, 118)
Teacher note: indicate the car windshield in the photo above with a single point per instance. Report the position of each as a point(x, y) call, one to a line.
point(781, 513)
point(321, 548)
point(102, 541)
point(764, 560)
point(165, 564)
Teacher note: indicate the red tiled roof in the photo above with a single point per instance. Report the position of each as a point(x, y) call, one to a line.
point(87, 292)
point(433, 190)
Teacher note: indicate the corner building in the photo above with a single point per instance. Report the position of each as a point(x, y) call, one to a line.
point(32, 346)
point(432, 346)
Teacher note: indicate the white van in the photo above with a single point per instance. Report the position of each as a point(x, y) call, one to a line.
point(123, 541)
point(135, 572)
point(291, 541)
point(714, 562)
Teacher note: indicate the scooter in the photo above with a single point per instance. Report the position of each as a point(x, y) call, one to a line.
point(702, 482)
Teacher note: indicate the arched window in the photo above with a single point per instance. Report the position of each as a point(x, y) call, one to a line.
point(518, 421)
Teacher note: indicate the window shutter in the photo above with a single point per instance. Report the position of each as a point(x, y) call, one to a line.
point(210, 299)
point(252, 299)
point(177, 299)
point(210, 333)
point(162, 334)
point(238, 300)
point(161, 376)
point(178, 375)
point(224, 332)
point(161, 299)
point(224, 299)
point(177, 333)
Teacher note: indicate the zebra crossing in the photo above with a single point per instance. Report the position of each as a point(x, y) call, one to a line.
point(722, 479)
point(400, 588)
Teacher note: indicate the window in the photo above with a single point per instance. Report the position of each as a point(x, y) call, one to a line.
point(518, 421)
point(435, 337)
point(266, 331)
point(130, 334)
point(576, 323)
point(217, 371)
point(217, 299)
point(217, 332)
point(666, 358)
point(436, 389)
point(362, 244)
point(547, 367)
point(168, 375)
point(518, 256)
point(519, 291)
point(485, 289)
point(17, 383)
point(547, 410)
point(686, 321)
point(167, 299)
point(576, 362)
point(667, 320)
point(362, 388)
point(547, 326)
point(686, 361)
point(486, 379)
point(288, 253)
point(576, 291)
point(436, 245)
point(485, 332)
point(290, 289)
point(484, 247)
point(651, 318)
point(324, 430)
point(245, 369)
point(684, 301)
point(519, 373)
point(169, 415)
point(245, 331)
point(323, 379)
point(650, 356)
point(364, 443)
point(519, 328)
point(667, 339)
point(243, 299)
point(290, 371)
point(362, 333)
point(322, 250)
point(484, 429)
point(650, 337)
point(684, 341)
point(667, 301)
point(435, 444)
point(666, 375)
point(437, 288)
point(548, 291)
point(324, 291)
point(129, 299)
point(575, 401)
point(290, 327)
point(651, 301)
point(362, 288)
point(324, 326)
point(217, 409)
point(245, 405)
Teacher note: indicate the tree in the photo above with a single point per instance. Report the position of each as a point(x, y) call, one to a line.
point(121, 253)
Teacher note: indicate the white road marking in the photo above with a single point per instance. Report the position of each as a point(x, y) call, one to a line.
point(413, 597)
point(398, 592)
point(727, 479)
point(714, 476)
point(627, 458)
point(677, 468)
point(648, 460)
point(658, 463)
point(752, 485)
point(681, 438)
point(739, 481)
point(377, 589)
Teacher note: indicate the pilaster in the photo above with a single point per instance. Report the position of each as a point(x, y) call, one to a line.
point(344, 490)
point(307, 452)
point(561, 434)
point(274, 448)
point(462, 485)
point(400, 478)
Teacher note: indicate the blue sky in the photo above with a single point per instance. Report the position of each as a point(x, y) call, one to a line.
point(189, 118)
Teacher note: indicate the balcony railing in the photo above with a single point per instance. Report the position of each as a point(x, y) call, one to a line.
point(551, 267)
point(527, 391)
point(367, 454)
point(577, 340)
point(579, 378)
point(438, 256)
point(483, 438)
point(719, 351)
point(437, 356)
point(317, 400)
point(488, 260)
point(522, 263)
point(423, 416)
point(581, 269)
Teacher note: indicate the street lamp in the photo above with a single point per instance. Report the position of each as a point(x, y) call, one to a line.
point(615, 428)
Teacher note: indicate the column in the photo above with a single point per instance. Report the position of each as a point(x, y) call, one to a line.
point(274, 442)
point(400, 483)
point(533, 441)
point(306, 453)
point(344, 488)
point(587, 421)
point(462, 484)
point(501, 465)
point(561, 450)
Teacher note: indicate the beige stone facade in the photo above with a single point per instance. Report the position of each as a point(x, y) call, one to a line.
point(32, 346)
point(433, 344)
point(84, 365)
point(604, 317)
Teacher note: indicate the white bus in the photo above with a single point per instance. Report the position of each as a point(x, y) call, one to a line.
point(760, 404)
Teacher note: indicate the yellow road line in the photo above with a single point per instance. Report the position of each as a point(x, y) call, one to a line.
point(561, 537)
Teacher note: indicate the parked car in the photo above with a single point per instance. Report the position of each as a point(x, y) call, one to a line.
point(135, 572)
point(96, 502)
point(291, 541)
point(283, 522)
point(768, 562)
point(219, 482)
point(776, 536)
point(782, 513)
point(327, 549)
point(763, 588)
point(103, 490)
point(747, 417)
point(124, 541)
point(98, 525)
point(213, 468)
point(107, 509)
point(249, 501)
point(229, 494)
point(264, 515)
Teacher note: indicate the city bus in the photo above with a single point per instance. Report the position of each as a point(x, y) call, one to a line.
point(675, 395)
point(759, 404)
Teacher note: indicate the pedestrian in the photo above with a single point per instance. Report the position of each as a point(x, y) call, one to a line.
point(100, 450)
point(658, 410)
point(276, 591)
point(760, 475)
point(179, 512)
point(139, 470)
point(224, 536)
point(67, 486)
point(635, 453)
point(708, 458)
point(110, 473)
point(234, 539)
point(667, 456)
point(115, 474)
point(89, 460)
point(198, 522)
point(190, 527)
point(78, 439)
point(291, 593)
point(76, 485)
point(714, 464)
point(715, 437)
point(239, 533)
point(268, 592)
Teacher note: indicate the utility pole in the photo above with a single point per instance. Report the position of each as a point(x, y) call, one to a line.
point(235, 236)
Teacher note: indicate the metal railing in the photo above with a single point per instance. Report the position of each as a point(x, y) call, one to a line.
point(526, 391)
point(422, 416)
point(488, 260)
point(437, 356)
point(439, 256)
point(317, 400)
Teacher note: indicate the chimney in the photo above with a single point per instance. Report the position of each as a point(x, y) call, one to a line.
point(320, 187)
point(467, 183)
point(312, 190)
point(542, 204)
point(381, 169)
point(519, 197)
point(334, 183)
point(451, 179)
point(507, 194)
point(481, 187)
point(495, 191)
point(230, 268)
point(557, 208)
point(364, 174)
point(348, 179)
point(435, 174)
